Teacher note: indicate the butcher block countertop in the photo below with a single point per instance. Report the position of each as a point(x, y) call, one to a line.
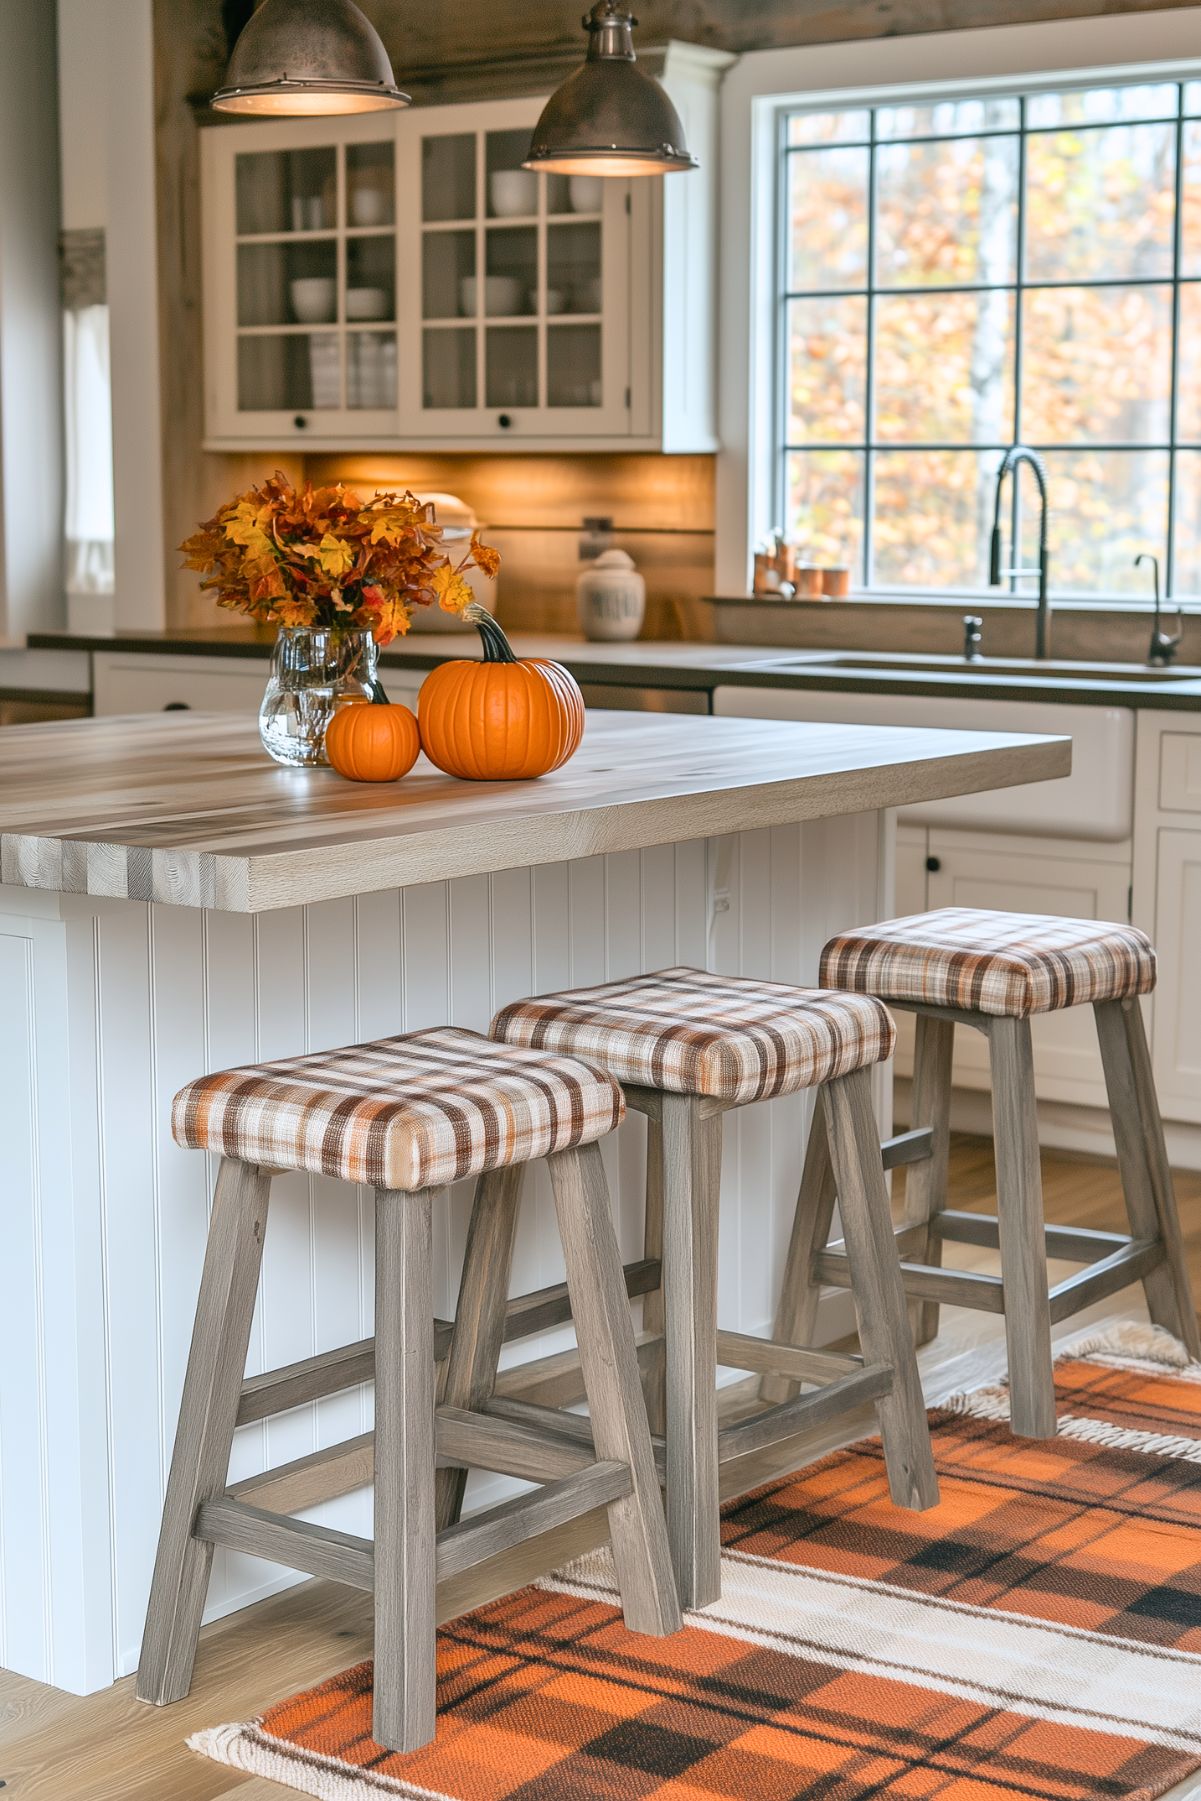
point(186, 808)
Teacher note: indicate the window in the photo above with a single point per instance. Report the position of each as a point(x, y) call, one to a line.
point(960, 275)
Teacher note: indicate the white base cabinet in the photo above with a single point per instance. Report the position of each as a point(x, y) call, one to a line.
point(1167, 899)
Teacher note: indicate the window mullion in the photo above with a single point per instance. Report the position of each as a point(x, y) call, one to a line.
point(869, 386)
point(1174, 387)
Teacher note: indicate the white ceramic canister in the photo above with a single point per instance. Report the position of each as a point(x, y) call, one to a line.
point(612, 598)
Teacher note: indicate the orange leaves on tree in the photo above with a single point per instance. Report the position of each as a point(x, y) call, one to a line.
point(326, 557)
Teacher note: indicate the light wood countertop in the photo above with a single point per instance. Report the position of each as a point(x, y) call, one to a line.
point(186, 808)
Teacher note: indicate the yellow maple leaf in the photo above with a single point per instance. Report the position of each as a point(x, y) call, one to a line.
point(335, 556)
point(451, 590)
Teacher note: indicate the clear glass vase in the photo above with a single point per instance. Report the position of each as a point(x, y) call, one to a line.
point(313, 671)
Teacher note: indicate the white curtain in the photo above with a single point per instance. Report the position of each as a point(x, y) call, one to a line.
point(87, 384)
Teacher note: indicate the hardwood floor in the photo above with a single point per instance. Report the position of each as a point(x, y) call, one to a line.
point(111, 1747)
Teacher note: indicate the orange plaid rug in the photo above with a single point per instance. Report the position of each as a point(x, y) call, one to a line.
point(1038, 1634)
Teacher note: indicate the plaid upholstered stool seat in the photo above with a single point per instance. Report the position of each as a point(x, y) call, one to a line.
point(687, 1046)
point(408, 1116)
point(993, 972)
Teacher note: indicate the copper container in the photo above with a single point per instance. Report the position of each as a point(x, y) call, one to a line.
point(808, 581)
point(836, 583)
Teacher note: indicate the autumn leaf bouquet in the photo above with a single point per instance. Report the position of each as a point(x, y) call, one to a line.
point(327, 558)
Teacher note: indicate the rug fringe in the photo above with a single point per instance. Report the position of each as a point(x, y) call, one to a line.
point(244, 1746)
point(1130, 1344)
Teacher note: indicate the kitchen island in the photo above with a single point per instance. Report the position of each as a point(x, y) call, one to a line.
point(173, 902)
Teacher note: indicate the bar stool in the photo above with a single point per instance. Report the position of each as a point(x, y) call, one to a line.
point(993, 971)
point(687, 1046)
point(409, 1116)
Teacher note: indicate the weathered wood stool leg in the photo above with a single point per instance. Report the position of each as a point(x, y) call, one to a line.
point(800, 1292)
point(926, 1182)
point(1022, 1230)
point(654, 1380)
point(601, 1310)
point(878, 1291)
point(207, 1416)
point(479, 1328)
point(405, 1445)
point(691, 1189)
point(1143, 1161)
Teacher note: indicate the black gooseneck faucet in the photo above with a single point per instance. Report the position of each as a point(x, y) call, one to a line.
point(1014, 456)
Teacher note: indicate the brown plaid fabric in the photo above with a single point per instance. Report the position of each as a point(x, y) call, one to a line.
point(412, 1112)
point(1011, 964)
point(691, 1032)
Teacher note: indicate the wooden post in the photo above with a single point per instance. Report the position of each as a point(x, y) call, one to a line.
point(926, 1181)
point(207, 1415)
point(878, 1291)
point(1022, 1230)
point(601, 1310)
point(800, 1291)
point(404, 1711)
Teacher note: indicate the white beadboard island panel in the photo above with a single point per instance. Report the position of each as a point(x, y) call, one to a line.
point(117, 1213)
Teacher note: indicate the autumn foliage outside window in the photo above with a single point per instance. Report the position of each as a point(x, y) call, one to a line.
point(959, 275)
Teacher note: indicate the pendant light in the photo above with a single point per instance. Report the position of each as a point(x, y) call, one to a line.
point(308, 58)
point(609, 118)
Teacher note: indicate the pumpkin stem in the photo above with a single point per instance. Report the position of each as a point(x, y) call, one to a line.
point(497, 648)
point(379, 694)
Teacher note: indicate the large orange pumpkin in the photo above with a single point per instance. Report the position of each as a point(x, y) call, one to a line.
point(378, 742)
point(503, 719)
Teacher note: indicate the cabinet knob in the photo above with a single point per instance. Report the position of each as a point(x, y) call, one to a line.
point(505, 420)
point(178, 706)
point(300, 422)
point(933, 864)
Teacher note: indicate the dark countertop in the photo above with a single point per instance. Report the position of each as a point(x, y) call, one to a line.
point(703, 667)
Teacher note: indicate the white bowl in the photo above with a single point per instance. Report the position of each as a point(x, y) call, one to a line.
point(513, 193)
point(314, 299)
point(502, 296)
point(366, 303)
point(586, 193)
point(556, 300)
point(368, 206)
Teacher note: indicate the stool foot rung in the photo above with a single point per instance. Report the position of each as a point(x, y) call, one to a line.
point(805, 1411)
point(313, 1378)
point(485, 1535)
point(923, 1282)
point(741, 1351)
point(1071, 1244)
point(914, 1146)
point(321, 1476)
point(317, 1550)
point(525, 1448)
point(1135, 1259)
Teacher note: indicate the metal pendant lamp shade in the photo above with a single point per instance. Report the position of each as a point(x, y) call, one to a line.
point(609, 118)
point(308, 58)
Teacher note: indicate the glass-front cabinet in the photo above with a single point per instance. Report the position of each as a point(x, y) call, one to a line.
point(400, 279)
point(516, 321)
point(301, 277)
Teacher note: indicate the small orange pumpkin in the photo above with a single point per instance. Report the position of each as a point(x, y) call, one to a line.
point(504, 719)
point(372, 743)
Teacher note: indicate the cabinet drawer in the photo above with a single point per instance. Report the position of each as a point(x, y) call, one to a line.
point(141, 684)
point(1180, 772)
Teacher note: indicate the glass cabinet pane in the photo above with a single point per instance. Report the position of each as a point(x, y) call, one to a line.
point(288, 284)
point(294, 372)
point(448, 368)
point(370, 186)
point(448, 177)
point(573, 365)
point(371, 369)
point(511, 284)
point(512, 190)
point(573, 269)
point(370, 279)
point(511, 360)
point(448, 288)
point(286, 190)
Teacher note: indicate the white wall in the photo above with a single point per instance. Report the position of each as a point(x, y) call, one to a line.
point(31, 447)
point(106, 84)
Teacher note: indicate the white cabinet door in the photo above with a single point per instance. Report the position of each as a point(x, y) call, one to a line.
point(1176, 1034)
point(301, 275)
point(514, 315)
point(132, 683)
point(1026, 876)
